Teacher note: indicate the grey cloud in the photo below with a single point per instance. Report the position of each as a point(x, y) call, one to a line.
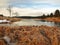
point(20, 1)
point(36, 1)
point(3, 3)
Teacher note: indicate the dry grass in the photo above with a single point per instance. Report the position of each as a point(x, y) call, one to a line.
point(53, 19)
point(10, 19)
point(32, 35)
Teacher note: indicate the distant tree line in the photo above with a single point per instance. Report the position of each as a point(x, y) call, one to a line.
point(56, 14)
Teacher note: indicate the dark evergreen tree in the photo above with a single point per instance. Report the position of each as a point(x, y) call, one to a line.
point(48, 15)
point(51, 14)
point(43, 16)
point(57, 13)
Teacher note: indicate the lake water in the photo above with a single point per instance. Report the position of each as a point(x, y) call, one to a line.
point(31, 22)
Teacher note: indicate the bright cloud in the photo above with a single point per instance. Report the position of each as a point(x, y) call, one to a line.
point(33, 12)
point(28, 11)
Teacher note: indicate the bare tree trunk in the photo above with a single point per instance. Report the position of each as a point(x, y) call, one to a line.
point(9, 9)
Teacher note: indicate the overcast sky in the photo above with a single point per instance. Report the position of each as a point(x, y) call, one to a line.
point(31, 3)
point(34, 7)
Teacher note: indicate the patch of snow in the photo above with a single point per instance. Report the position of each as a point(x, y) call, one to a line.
point(4, 21)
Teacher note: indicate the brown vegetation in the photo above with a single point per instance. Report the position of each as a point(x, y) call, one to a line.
point(53, 19)
point(13, 19)
point(10, 19)
point(32, 35)
point(2, 43)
